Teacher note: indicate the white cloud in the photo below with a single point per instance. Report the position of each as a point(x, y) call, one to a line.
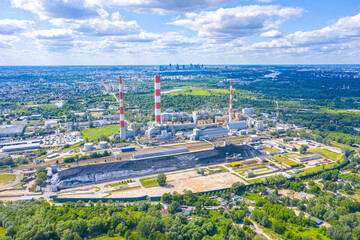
point(271, 34)
point(116, 16)
point(346, 29)
point(103, 27)
point(7, 41)
point(166, 6)
point(66, 9)
point(55, 40)
point(12, 26)
point(237, 22)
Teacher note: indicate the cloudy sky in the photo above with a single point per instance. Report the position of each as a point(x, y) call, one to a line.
point(120, 32)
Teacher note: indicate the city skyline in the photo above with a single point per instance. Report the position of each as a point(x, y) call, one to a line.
point(117, 32)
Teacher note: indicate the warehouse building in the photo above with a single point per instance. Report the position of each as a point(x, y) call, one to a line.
point(309, 158)
point(22, 147)
point(11, 130)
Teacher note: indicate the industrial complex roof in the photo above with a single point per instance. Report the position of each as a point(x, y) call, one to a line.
point(7, 130)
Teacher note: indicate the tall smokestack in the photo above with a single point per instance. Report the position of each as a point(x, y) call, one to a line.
point(122, 119)
point(157, 99)
point(230, 108)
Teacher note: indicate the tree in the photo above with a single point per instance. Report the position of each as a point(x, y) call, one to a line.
point(41, 169)
point(275, 134)
point(40, 178)
point(303, 148)
point(237, 187)
point(161, 179)
point(347, 152)
point(265, 221)
point(174, 207)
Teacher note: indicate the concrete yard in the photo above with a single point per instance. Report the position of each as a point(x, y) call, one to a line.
point(179, 181)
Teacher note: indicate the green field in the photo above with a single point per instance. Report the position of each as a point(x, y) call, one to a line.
point(272, 150)
point(293, 155)
point(6, 178)
point(312, 232)
point(94, 133)
point(315, 169)
point(221, 91)
point(327, 154)
point(194, 91)
point(251, 196)
point(285, 161)
point(149, 182)
point(340, 145)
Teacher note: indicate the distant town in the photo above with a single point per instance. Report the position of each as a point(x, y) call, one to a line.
point(239, 143)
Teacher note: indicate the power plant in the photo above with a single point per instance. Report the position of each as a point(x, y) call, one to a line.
point(122, 118)
point(202, 124)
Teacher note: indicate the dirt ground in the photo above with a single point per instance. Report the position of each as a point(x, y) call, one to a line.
point(183, 181)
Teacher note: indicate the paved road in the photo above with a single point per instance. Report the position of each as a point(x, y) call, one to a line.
point(235, 173)
point(259, 230)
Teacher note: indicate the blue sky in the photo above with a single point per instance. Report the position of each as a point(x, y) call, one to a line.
point(124, 32)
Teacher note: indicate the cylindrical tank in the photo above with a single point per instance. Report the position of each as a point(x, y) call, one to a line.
point(88, 146)
point(103, 144)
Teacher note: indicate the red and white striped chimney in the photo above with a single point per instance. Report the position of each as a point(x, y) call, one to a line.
point(157, 99)
point(230, 108)
point(122, 119)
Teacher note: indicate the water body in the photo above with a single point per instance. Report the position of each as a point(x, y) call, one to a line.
point(173, 90)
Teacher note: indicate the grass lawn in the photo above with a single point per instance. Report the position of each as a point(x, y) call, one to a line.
point(327, 154)
point(2, 232)
point(149, 182)
point(285, 161)
point(251, 196)
point(272, 150)
point(94, 133)
point(223, 91)
point(6, 178)
point(194, 91)
point(297, 230)
point(315, 169)
point(339, 145)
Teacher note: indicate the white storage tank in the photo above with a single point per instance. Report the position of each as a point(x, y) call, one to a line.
point(103, 144)
point(88, 146)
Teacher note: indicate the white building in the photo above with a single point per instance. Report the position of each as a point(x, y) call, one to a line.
point(248, 111)
point(259, 126)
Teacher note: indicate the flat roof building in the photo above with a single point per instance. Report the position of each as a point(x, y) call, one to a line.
point(11, 130)
point(304, 195)
point(309, 158)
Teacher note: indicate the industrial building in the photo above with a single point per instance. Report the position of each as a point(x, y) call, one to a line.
point(248, 111)
point(309, 158)
point(21, 148)
point(11, 130)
